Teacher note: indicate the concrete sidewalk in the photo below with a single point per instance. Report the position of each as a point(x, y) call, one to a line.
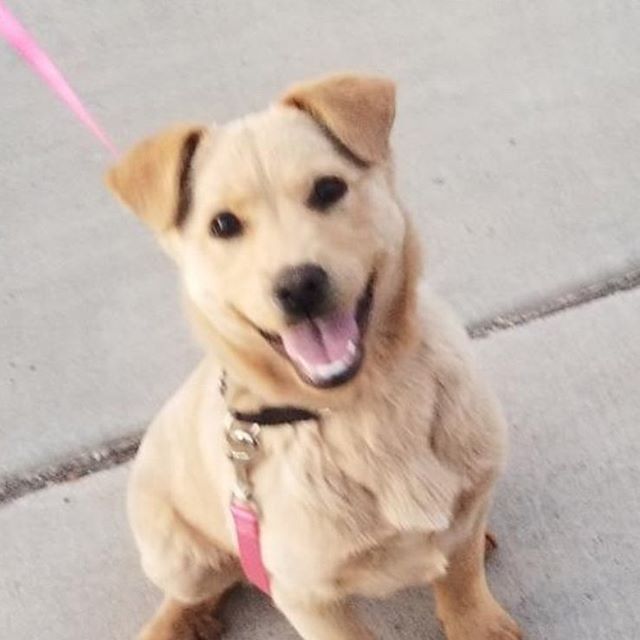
point(518, 147)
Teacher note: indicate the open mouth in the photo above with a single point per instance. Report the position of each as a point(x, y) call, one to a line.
point(327, 351)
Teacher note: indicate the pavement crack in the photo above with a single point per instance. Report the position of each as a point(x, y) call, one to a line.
point(110, 454)
point(553, 305)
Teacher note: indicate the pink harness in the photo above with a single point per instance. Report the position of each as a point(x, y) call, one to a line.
point(242, 432)
point(247, 526)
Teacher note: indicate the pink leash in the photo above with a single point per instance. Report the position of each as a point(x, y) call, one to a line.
point(18, 37)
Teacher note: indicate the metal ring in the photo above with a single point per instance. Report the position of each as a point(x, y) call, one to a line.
point(242, 440)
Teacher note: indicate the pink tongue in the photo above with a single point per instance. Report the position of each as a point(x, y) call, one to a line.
point(322, 340)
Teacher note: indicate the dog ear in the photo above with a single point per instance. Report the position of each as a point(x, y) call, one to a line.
point(154, 178)
point(357, 110)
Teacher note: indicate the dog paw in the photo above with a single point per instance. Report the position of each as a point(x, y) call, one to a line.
point(202, 627)
point(198, 625)
point(490, 624)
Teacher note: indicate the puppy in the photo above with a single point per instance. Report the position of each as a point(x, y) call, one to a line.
point(336, 410)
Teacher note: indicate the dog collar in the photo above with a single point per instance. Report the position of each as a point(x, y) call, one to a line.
point(242, 431)
point(275, 416)
point(269, 416)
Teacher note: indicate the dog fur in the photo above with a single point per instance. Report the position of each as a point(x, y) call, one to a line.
point(391, 487)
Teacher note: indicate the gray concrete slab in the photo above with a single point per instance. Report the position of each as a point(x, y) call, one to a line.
point(517, 140)
point(69, 569)
point(567, 509)
point(566, 513)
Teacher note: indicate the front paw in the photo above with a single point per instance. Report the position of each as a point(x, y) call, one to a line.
point(198, 625)
point(487, 623)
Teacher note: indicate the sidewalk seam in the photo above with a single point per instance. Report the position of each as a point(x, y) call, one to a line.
point(110, 454)
point(580, 296)
point(122, 450)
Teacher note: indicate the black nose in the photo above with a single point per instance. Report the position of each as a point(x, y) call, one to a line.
point(302, 290)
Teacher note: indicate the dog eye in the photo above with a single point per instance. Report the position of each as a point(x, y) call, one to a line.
point(225, 225)
point(326, 191)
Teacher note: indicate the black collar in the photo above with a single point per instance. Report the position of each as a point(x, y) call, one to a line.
point(269, 416)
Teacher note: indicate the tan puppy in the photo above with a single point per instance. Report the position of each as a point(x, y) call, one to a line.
point(300, 269)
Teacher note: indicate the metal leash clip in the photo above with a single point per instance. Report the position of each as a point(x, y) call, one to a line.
point(243, 441)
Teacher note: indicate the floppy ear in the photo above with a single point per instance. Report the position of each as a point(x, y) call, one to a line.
point(358, 110)
point(154, 178)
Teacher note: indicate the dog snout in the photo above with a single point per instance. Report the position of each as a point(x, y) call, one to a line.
point(303, 290)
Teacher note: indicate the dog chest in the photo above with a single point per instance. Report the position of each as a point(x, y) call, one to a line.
point(353, 528)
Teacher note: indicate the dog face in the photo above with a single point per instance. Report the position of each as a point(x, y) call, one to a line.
point(284, 224)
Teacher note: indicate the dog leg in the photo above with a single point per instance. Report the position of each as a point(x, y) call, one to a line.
point(192, 571)
point(326, 621)
point(465, 605)
point(190, 613)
